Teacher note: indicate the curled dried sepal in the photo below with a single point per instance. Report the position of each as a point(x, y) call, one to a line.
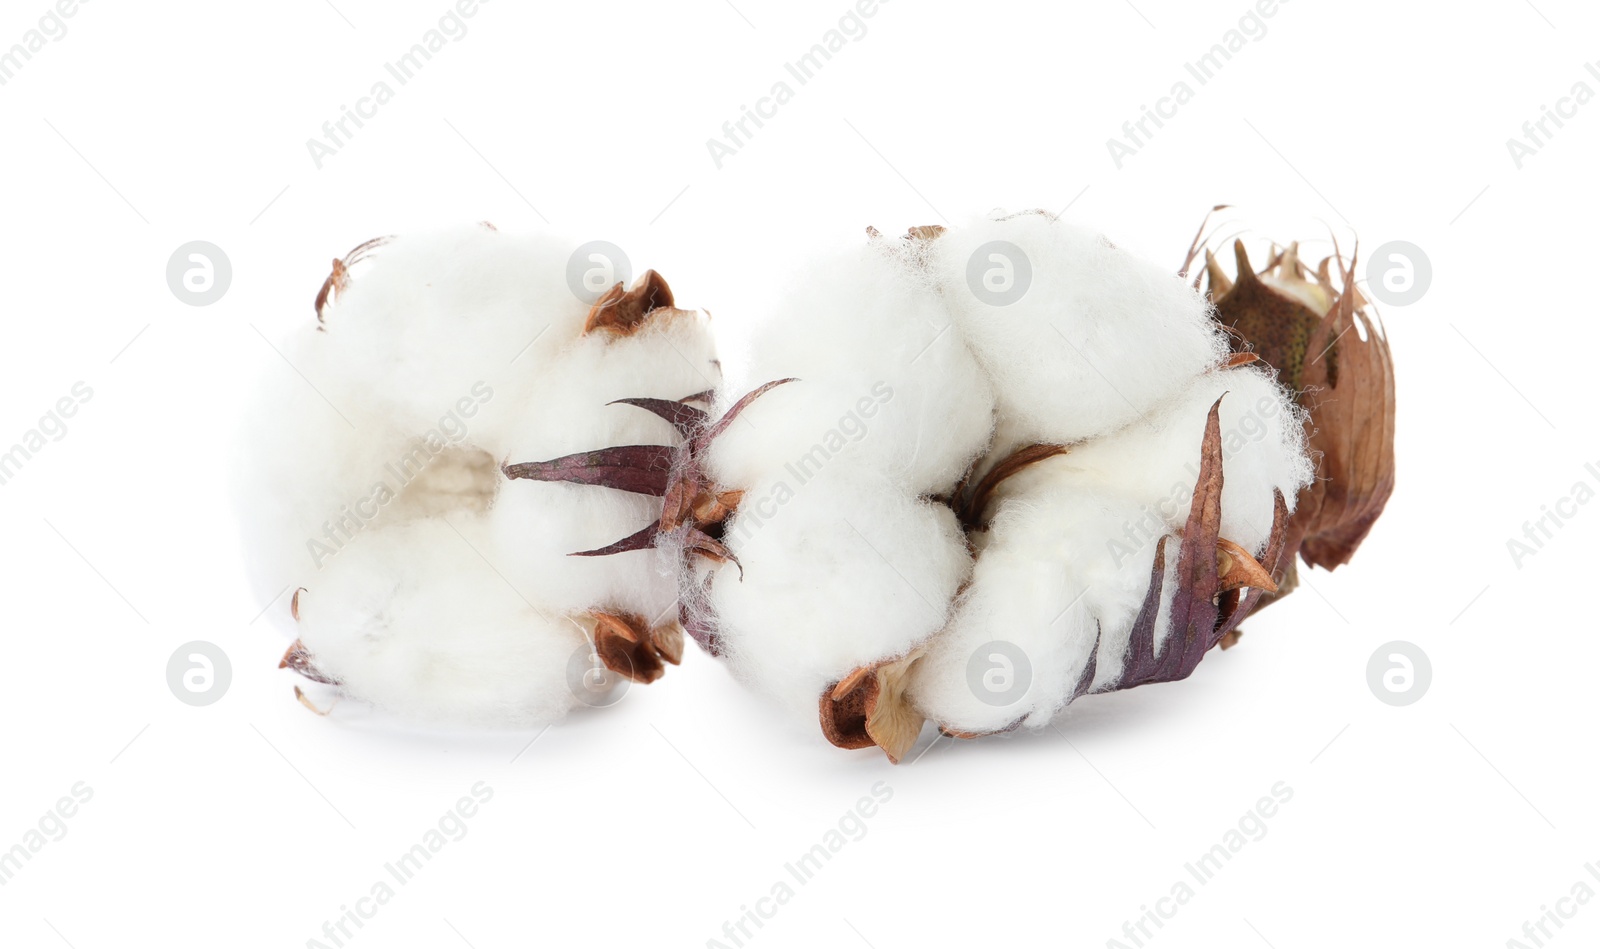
point(622, 312)
point(697, 621)
point(642, 539)
point(631, 648)
point(684, 417)
point(1237, 568)
point(1352, 434)
point(869, 707)
point(702, 440)
point(639, 469)
point(1207, 604)
point(1199, 243)
point(298, 658)
point(303, 699)
point(339, 278)
point(975, 501)
point(689, 498)
point(1278, 560)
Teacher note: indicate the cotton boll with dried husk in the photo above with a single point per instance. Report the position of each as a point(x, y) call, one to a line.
point(885, 382)
point(432, 359)
point(1079, 337)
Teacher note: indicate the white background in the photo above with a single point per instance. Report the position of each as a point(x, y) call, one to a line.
point(250, 822)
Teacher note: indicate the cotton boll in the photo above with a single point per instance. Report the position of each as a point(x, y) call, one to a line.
point(411, 619)
point(839, 571)
point(1097, 337)
point(885, 382)
point(401, 403)
point(378, 488)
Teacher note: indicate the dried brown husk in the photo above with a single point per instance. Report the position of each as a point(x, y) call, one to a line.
point(629, 646)
point(869, 708)
point(1317, 331)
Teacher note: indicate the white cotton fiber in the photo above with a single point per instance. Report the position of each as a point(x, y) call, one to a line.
point(433, 585)
point(1097, 337)
point(410, 619)
point(1155, 461)
point(840, 571)
point(432, 314)
point(885, 383)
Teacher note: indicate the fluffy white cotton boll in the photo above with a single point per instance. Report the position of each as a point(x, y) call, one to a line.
point(1097, 336)
point(885, 381)
point(1155, 461)
point(417, 379)
point(410, 619)
point(840, 571)
point(1045, 586)
point(444, 356)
